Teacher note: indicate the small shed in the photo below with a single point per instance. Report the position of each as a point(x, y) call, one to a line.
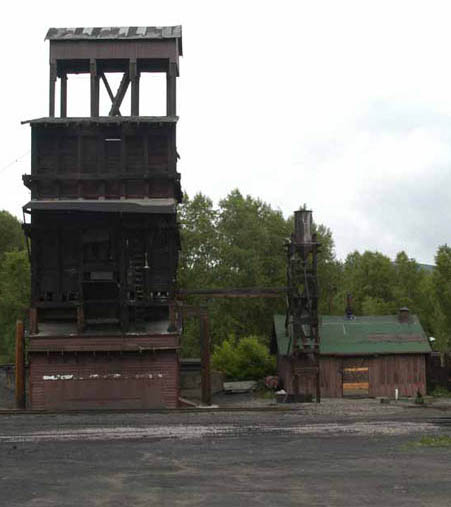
point(362, 355)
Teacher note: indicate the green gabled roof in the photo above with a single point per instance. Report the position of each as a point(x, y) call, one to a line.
point(362, 335)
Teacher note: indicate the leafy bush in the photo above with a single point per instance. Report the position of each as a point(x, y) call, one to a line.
point(245, 359)
point(441, 392)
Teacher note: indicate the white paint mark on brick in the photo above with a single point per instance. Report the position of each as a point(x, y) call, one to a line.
point(57, 377)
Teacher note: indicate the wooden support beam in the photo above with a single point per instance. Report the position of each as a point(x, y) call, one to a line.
point(205, 358)
point(123, 279)
point(120, 94)
point(318, 383)
point(171, 91)
point(248, 292)
point(94, 88)
point(134, 79)
point(110, 94)
point(63, 95)
point(34, 328)
point(80, 319)
point(107, 86)
point(20, 365)
point(52, 83)
point(172, 318)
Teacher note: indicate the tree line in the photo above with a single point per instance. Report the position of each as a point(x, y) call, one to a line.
point(240, 242)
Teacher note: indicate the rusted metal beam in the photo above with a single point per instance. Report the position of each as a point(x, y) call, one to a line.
point(20, 365)
point(247, 292)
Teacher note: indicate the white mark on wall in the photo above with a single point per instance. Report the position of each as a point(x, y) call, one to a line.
point(57, 377)
point(94, 376)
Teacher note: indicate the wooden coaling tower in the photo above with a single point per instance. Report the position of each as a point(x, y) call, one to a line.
point(102, 229)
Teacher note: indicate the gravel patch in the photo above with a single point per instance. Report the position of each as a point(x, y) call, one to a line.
point(185, 432)
point(336, 407)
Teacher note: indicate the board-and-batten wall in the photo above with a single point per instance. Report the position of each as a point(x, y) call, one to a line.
point(406, 372)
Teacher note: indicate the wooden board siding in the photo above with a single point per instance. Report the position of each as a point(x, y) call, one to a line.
point(288, 370)
point(405, 372)
point(330, 377)
point(118, 49)
point(108, 380)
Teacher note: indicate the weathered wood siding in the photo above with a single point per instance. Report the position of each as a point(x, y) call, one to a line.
point(405, 372)
point(331, 377)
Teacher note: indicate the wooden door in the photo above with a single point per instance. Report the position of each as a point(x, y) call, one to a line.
point(355, 377)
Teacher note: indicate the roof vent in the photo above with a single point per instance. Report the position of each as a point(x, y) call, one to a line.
point(404, 315)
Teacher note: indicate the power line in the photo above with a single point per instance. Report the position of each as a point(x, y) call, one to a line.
point(7, 166)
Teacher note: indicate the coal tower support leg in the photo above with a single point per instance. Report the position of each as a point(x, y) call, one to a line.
point(20, 365)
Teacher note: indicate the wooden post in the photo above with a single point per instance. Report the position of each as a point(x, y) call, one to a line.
point(318, 385)
point(123, 279)
point(20, 365)
point(171, 96)
point(205, 346)
point(34, 329)
point(172, 318)
point(94, 89)
point(80, 319)
point(63, 95)
point(52, 90)
point(134, 78)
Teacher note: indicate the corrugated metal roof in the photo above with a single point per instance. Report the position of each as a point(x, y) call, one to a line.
point(365, 335)
point(115, 120)
point(149, 206)
point(112, 33)
point(115, 33)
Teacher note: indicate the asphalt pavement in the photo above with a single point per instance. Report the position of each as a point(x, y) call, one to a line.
point(277, 458)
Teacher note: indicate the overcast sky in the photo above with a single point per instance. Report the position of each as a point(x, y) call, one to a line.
point(343, 105)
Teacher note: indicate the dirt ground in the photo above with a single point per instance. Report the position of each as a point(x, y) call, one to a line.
point(341, 453)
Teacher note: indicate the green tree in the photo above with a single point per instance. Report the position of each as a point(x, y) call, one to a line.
point(441, 279)
point(330, 273)
point(408, 286)
point(199, 241)
point(369, 277)
point(11, 235)
point(14, 297)
point(240, 243)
